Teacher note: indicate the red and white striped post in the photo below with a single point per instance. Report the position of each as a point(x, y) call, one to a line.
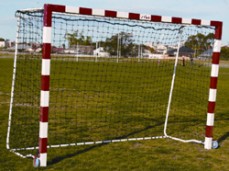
point(45, 80)
point(213, 84)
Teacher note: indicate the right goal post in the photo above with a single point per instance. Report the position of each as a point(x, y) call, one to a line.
point(109, 76)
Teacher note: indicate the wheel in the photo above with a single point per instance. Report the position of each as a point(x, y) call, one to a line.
point(36, 162)
point(215, 144)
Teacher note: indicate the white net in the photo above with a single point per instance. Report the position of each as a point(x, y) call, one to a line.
point(110, 80)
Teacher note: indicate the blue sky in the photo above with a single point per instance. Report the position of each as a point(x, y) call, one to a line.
point(201, 9)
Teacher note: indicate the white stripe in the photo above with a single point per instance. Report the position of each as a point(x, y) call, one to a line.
point(98, 12)
point(212, 95)
point(122, 15)
point(186, 21)
point(54, 146)
point(208, 143)
point(79, 143)
point(72, 9)
point(47, 34)
point(215, 70)
point(43, 133)
point(145, 17)
point(147, 138)
point(210, 119)
point(72, 144)
point(44, 101)
point(132, 139)
point(98, 142)
point(123, 140)
point(43, 159)
point(64, 145)
point(166, 19)
point(89, 143)
point(205, 22)
point(45, 67)
point(217, 46)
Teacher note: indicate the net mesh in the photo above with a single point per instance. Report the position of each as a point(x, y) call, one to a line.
point(110, 79)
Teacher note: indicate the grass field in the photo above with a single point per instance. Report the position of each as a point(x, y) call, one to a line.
point(162, 154)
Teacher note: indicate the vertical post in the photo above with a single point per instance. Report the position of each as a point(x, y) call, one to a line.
point(77, 52)
point(13, 84)
point(172, 84)
point(139, 52)
point(45, 81)
point(117, 48)
point(213, 84)
point(96, 54)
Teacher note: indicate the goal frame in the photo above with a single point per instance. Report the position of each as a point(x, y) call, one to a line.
point(49, 9)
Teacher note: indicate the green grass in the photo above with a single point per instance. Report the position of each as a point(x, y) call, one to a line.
point(163, 154)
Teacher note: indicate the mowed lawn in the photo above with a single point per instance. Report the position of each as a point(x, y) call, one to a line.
point(162, 154)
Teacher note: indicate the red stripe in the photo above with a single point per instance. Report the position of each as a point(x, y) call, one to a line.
point(209, 131)
point(213, 82)
point(110, 13)
point(176, 20)
point(85, 11)
point(46, 51)
point(218, 29)
point(134, 16)
point(43, 145)
point(47, 15)
point(45, 82)
point(211, 107)
point(57, 8)
point(44, 114)
point(196, 21)
point(215, 57)
point(156, 18)
point(48, 9)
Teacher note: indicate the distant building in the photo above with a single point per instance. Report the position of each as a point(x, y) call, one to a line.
point(25, 47)
point(79, 49)
point(2, 44)
point(8, 43)
point(5, 43)
point(101, 52)
point(206, 54)
point(183, 51)
point(161, 49)
point(57, 50)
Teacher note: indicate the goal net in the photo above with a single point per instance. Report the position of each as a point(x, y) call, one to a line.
point(84, 76)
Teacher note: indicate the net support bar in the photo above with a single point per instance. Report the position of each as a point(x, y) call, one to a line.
point(12, 88)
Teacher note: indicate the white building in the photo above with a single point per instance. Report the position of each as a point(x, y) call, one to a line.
point(100, 52)
point(162, 49)
point(2, 44)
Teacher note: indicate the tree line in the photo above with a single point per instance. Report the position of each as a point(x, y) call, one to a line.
point(124, 43)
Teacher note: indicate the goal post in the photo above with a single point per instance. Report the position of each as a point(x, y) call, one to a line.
point(109, 76)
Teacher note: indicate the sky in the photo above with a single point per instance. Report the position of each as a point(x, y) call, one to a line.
point(199, 9)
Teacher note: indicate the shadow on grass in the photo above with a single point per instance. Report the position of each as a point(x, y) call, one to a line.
point(60, 158)
point(224, 137)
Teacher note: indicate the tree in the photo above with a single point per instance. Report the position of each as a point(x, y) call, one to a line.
point(78, 38)
point(224, 53)
point(122, 42)
point(200, 42)
point(1, 39)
